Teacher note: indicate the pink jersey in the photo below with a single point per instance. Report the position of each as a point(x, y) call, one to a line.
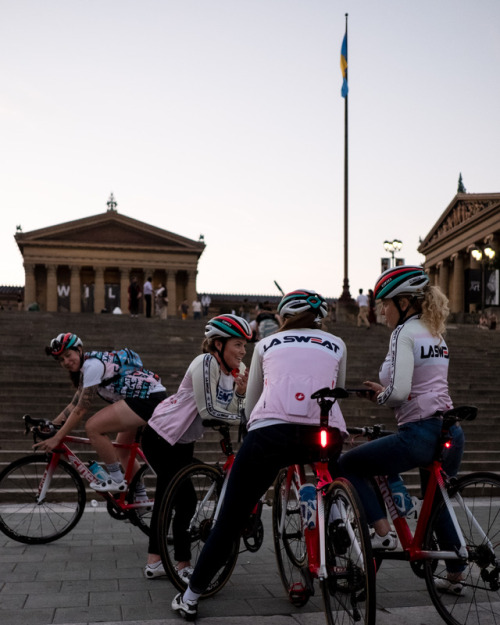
point(287, 368)
point(415, 373)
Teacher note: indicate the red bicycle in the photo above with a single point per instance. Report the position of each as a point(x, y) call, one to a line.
point(330, 542)
point(459, 522)
point(42, 495)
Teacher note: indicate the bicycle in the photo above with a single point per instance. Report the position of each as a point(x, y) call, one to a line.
point(472, 505)
point(335, 548)
point(190, 508)
point(42, 495)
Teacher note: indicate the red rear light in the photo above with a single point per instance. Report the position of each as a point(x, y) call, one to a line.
point(447, 444)
point(323, 438)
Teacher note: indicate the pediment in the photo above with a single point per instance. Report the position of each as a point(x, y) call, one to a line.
point(461, 213)
point(112, 229)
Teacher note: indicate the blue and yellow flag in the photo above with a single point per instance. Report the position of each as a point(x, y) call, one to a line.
point(343, 66)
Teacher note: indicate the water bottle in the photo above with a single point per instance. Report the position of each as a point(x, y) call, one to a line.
point(100, 474)
point(400, 495)
point(307, 497)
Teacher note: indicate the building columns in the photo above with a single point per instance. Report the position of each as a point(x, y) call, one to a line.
point(191, 287)
point(124, 284)
point(457, 298)
point(444, 277)
point(29, 285)
point(51, 288)
point(171, 293)
point(75, 288)
point(99, 298)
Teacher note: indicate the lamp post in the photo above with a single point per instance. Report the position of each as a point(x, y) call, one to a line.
point(484, 256)
point(393, 247)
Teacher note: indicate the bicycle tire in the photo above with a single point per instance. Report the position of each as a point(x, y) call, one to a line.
point(205, 482)
point(141, 517)
point(349, 593)
point(480, 605)
point(25, 520)
point(289, 544)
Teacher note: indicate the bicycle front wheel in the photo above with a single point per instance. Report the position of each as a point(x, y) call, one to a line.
point(349, 590)
point(186, 518)
point(475, 499)
point(289, 541)
point(27, 518)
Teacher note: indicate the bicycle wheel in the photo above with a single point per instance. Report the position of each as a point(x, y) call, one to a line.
point(475, 499)
point(186, 519)
point(289, 541)
point(141, 517)
point(349, 590)
point(26, 519)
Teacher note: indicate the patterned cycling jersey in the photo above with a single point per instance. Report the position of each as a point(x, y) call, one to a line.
point(205, 392)
point(287, 368)
point(415, 373)
point(117, 378)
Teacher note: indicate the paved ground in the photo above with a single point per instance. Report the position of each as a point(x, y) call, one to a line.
point(94, 575)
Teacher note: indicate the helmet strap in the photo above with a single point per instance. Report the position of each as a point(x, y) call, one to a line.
point(220, 353)
point(404, 314)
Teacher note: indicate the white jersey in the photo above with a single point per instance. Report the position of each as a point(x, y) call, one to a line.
point(415, 373)
point(287, 368)
point(204, 393)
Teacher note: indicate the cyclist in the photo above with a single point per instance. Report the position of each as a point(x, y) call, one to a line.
point(287, 368)
point(414, 382)
point(213, 387)
point(117, 377)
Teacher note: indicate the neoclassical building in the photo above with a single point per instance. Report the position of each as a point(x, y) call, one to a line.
point(458, 251)
point(86, 265)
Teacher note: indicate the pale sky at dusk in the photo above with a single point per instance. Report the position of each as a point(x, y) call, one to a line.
point(224, 118)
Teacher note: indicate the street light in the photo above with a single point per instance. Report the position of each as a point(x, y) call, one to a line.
point(479, 255)
point(393, 247)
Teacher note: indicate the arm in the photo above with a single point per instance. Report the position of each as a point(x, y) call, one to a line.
point(255, 382)
point(402, 363)
point(74, 413)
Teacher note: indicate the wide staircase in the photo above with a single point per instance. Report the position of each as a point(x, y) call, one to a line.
point(34, 383)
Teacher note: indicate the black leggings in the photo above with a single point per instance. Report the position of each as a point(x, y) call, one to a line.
point(166, 461)
point(263, 453)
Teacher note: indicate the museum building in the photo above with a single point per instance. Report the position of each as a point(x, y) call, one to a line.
point(87, 265)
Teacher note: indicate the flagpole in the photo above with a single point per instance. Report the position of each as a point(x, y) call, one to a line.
point(346, 295)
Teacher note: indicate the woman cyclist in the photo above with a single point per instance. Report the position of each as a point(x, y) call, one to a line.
point(117, 377)
point(414, 382)
point(213, 387)
point(287, 368)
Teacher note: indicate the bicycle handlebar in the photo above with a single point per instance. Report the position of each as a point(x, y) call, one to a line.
point(40, 428)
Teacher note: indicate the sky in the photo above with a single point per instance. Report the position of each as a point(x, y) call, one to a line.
point(225, 118)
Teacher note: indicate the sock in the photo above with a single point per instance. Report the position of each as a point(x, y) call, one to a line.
point(140, 492)
point(115, 472)
point(189, 595)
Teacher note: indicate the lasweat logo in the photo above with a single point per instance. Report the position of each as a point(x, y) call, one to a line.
point(433, 351)
point(315, 340)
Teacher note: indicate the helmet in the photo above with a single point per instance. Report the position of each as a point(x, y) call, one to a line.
point(301, 300)
point(62, 342)
point(228, 327)
point(407, 279)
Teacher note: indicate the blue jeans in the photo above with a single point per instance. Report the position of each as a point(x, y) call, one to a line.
point(413, 445)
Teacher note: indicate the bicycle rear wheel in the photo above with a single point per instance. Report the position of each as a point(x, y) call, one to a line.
point(349, 590)
point(475, 499)
point(27, 520)
point(289, 541)
point(186, 518)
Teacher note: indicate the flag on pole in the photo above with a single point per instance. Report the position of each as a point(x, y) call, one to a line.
point(343, 66)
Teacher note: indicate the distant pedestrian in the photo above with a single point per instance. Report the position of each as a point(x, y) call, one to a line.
point(134, 295)
point(206, 300)
point(363, 303)
point(147, 289)
point(184, 309)
point(196, 306)
point(372, 316)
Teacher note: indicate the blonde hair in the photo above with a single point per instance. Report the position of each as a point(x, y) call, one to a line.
point(433, 308)
point(306, 319)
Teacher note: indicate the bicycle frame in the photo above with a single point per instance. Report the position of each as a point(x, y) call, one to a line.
point(117, 499)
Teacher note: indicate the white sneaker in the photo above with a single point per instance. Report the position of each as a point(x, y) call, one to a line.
point(154, 570)
point(388, 542)
point(449, 587)
point(185, 573)
point(109, 486)
point(187, 609)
